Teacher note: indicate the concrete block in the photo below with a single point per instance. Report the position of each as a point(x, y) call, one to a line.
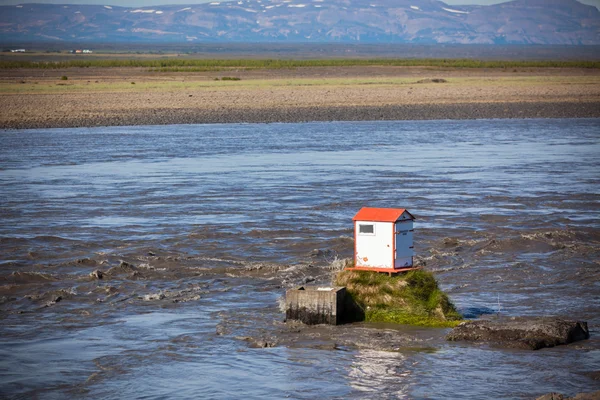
point(315, 305)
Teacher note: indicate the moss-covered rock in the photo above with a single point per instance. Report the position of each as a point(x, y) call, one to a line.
point(413, 298)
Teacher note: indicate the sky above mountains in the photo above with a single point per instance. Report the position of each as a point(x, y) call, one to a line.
point(142, 3)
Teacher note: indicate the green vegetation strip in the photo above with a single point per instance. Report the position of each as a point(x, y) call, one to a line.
point(413, 298)
point(187, 65)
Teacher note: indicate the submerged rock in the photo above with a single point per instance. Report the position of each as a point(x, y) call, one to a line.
point(86, 261)
point(294, 334)
point(123, 268)
point(317, 253)
point(154, 296)
point(6, 299)
point(124, 265)
point(258, 343)
point(97, 274)
point(521, 332)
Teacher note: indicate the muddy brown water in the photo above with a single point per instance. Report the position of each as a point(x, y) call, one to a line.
point(199, 230)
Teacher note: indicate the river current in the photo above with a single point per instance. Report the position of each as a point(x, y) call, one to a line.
point(200, 229)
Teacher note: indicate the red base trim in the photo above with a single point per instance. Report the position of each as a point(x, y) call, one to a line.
point(389, 271)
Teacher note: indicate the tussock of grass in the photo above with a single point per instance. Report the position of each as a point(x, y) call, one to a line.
point(413, 298)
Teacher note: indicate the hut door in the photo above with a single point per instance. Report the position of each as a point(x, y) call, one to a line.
point(404, 245)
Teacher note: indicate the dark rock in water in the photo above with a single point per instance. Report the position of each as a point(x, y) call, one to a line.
point(380, 337)
point(476, 312)
point(124, 267)
point(450, 242)
point(6, 299)
point(258, 343)
point(220, 330)
point(154, 296)
point(595, 375)
point(531, 333)
point(579, 396)
point(97, 274)
point(262, 344)
point(317, 253)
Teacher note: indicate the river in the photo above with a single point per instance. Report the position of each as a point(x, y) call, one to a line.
point(200, 229)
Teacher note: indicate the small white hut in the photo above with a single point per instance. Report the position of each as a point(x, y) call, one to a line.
point(383, 239)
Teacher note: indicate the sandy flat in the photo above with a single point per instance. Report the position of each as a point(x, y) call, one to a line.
point(101, 97)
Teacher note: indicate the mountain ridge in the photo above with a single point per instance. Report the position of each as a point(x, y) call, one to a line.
point(553, 22)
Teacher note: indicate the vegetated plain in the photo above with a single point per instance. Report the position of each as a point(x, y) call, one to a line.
point(45, 51)
point(104, 90)
point(201, 65)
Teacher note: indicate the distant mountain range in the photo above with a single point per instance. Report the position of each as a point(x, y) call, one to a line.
point(344, 21)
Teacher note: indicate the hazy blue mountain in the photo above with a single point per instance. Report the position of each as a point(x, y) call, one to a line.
point(365, 21)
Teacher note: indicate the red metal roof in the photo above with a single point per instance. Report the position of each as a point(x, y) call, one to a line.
point(380, 214)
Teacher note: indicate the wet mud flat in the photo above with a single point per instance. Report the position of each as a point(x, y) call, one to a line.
point(199, 231)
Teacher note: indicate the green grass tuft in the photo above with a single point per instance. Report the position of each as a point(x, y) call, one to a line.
point(413, 298)
point(202, 65)
point(398, 317)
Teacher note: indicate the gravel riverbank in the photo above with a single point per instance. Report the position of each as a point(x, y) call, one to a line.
point(168, 116)
point(106, 97)
point(306, 114)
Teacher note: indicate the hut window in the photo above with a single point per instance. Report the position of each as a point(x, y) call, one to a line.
point(366, 229)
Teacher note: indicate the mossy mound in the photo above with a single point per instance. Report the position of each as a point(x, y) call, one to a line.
point(413, 298)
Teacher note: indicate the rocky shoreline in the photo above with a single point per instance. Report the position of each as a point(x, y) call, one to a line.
point(172, 116)
point(531, 333)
